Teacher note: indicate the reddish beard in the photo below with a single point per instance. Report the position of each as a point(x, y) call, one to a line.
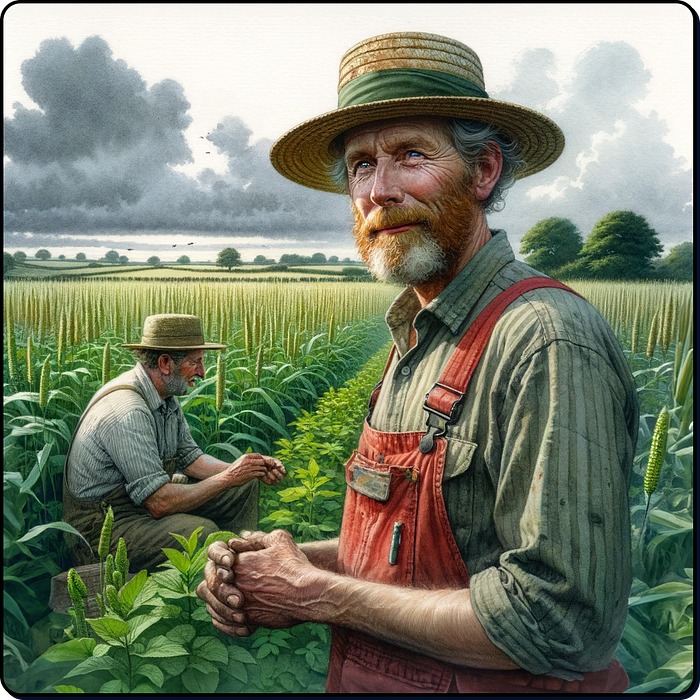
point(448, 221)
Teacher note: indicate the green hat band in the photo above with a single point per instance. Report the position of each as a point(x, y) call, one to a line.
point(396, 83)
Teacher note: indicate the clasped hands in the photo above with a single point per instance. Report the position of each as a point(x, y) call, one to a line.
point(257, 580)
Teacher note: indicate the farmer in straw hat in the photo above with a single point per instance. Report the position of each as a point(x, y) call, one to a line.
point(133, 451)
point(485, 543)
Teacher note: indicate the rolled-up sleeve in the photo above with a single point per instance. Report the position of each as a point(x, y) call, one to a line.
point(187, 448)
point(557, 599)
point(132, 444)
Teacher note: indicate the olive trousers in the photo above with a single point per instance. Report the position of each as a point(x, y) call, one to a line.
point(235, 510)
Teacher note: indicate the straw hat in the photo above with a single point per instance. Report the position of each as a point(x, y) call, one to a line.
point(173, 332)
point(410, 74)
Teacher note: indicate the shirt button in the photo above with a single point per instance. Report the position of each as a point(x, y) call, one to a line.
point(405, 370)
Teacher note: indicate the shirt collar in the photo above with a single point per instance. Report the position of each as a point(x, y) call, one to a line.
point(457, 300)
point(153, 398)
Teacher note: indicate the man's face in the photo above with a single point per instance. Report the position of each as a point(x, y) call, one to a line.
point(412, 206)
point(180, 378)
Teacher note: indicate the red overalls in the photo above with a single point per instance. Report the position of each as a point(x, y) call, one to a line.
point(395, 530)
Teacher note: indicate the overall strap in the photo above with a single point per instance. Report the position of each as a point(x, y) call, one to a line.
point(95, 399)
point(443, 401)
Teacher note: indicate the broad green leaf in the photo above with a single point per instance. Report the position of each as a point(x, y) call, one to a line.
point(67, 689)
point(313, 467)
point(161, 647)
point(177, 559)
point(95, 664)
point(238, 671)
point(192, 542)
point(109, 628)
point(200, 682)
point(114, 686)
point(182, 634)
point(181, 540)
point(139, 624)
point(291, 494)
point(153, 673)
point(147, 595)
point(201, 613)
point(211, 649)
point(73, 650)
point(173, 666)
point(131, 589)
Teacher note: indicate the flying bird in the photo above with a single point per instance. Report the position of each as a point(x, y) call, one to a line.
point(174, 245)
point(191, 243)
point(129, 248)
point(207, 151)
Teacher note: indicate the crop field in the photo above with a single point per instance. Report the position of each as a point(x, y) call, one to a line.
point(300, 363)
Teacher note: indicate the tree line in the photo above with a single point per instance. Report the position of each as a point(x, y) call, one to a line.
point(622, 245)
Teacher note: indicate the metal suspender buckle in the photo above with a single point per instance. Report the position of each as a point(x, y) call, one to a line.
point(437, 420)
point(437, 424)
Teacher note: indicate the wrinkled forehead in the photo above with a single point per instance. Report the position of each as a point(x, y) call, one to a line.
point(402, 128)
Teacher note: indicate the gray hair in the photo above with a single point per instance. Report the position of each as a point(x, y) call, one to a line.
point(471, 139)
point(149, 358)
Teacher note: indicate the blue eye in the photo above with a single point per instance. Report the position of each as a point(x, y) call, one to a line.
point(411, 154)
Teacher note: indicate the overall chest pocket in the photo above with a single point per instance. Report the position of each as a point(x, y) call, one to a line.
point(377, 540)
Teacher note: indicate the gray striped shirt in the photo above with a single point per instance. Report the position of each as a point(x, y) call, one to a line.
point(538, 463)
point(124, 441)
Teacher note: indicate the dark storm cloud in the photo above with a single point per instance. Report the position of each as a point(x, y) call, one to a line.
point(97, 157)
point(615, 157)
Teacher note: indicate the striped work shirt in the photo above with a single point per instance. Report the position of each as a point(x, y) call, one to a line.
point(124, 441)
point(538, 463)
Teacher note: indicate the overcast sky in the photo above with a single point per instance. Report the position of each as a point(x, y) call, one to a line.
point(143, 126)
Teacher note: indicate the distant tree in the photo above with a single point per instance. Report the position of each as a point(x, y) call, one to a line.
point(621, 245)
point(229, 257)
point(678, 264)
point(80, 257)
point(20, 256)
point(61, 257)
point(333, 259)
point(112, 257)
point(346, 260)
point(8, 263)
point(259, 259)
point(184, 260)
point(42, 254)
point(550, 244)
point(318, 258)
point(153, 260)
point(290, 259)
point(123, 259)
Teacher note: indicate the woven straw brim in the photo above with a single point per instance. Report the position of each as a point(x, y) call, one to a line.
point(303, 154)
point(174, 348)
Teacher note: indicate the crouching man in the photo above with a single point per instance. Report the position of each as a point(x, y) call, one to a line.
point(132, 450)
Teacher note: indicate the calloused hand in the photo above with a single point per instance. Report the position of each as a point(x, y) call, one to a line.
point(269, 572)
